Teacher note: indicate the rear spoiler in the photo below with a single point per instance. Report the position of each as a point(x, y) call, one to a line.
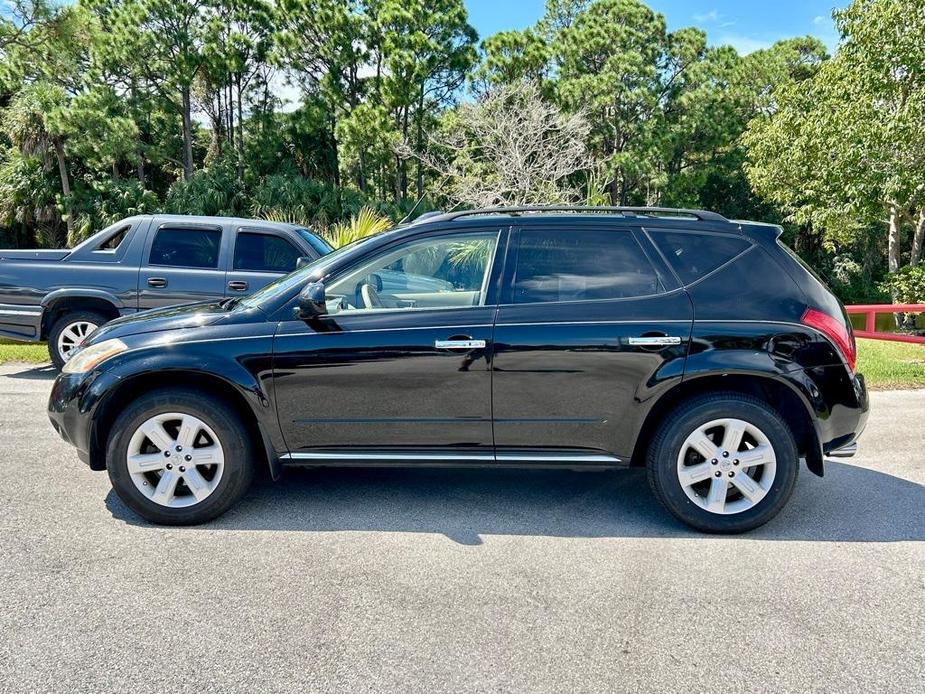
point(761, 232)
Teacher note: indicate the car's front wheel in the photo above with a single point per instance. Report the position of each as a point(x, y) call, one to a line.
point(178, 457)
point(723, 463)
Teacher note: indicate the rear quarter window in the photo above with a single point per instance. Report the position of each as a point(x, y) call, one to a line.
point(694, 255)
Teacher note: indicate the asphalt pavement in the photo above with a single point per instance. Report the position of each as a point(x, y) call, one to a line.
point(459, 581)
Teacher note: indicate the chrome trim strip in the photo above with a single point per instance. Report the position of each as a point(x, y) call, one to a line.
point(462, 326)
point(9, 312)
point(556, 458)
point(500, 457)
point(654, 321)
point(372, 455)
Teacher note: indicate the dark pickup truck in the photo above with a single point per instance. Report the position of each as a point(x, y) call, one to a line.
point(61, 296)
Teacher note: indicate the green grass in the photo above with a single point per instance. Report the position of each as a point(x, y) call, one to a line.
point(885, 365)
point(888, 365)
point(23, 352)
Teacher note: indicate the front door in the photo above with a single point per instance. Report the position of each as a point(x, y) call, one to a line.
point(400, 366)
point(589, 327)
point(259, 257)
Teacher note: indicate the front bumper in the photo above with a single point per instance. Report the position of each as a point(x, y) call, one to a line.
point(70, 416)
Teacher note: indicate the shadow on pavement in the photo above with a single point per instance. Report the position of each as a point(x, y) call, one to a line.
point(44, 372)
point(852, 504)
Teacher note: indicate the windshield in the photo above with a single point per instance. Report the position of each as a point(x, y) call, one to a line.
point(316, 242)
point(288, 283)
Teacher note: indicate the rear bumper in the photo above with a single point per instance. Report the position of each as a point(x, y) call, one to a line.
point(21, 322)
point(841, 406)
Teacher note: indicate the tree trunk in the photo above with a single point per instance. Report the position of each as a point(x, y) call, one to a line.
point(893, 239)
point(141, 171)
point(65, 184)
point(916, 256)
point(115, 171)
point(240, 146)
point(229, 101)
point(420, 144)
point(187, 135)
point(335, 152)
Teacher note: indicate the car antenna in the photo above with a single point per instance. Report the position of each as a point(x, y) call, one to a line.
point(407, 217)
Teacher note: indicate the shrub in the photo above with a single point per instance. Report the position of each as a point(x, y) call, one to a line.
point(214, 191)
point(907, 285)
point(292, 198)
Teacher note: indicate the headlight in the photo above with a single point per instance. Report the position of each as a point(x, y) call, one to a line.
point(88, 357)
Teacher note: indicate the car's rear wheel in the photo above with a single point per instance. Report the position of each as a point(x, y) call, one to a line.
point(724, 463)
point(69, 332)
point(176, 457)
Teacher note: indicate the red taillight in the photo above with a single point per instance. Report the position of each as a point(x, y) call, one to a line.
point(833, 329)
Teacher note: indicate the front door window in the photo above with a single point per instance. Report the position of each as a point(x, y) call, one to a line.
point(441, 272)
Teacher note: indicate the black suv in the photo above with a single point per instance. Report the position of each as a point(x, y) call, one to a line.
point(696, 346)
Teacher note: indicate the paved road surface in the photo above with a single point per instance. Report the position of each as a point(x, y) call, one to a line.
point(452, 581)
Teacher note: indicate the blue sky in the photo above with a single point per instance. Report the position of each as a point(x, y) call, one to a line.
point(746, 24)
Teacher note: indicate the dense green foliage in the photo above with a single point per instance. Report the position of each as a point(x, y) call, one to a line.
point(115, 107)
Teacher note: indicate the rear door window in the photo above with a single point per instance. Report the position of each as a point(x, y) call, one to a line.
point(180, 247)
point(555, 265)
point(264, 253)
point(111, 243)
point(694, 255)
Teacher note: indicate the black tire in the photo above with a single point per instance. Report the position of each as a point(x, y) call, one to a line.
point(665, 447)
point(62, 323)
point(237, 474)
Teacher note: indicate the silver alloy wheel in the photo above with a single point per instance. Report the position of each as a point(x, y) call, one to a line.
point(727, 466)
point(175, 459)
point(73, 336)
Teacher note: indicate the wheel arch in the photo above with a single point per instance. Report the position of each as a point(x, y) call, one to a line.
point(60, 302)
point(778, 392)
point(126, 389)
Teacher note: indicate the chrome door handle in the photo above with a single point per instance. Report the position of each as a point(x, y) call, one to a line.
point(654, 341)
point(237, 286)
point(460, 344)
point(157, 282)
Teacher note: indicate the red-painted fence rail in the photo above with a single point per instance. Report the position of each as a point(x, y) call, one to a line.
point(870, 311)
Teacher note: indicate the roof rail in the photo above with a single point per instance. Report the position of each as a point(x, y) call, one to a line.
point(702, 215)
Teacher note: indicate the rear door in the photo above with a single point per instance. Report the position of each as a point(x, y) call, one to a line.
point(259, 256)
point(591, 324)
point(182, 263)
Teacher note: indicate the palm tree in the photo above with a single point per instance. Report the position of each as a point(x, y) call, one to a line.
point(26, 122)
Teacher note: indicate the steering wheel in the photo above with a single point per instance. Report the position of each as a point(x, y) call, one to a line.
point(370, 296)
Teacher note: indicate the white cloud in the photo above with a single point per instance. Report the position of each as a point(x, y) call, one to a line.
point(707, 17)
point(819, 19)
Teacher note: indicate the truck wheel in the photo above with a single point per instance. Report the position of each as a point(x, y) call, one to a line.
point(723, 463)
point(68, 333)
point(179, 457)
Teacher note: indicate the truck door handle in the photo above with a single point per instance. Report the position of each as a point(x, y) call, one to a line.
point(466, 344)
point(157, 282)
point(237, 286)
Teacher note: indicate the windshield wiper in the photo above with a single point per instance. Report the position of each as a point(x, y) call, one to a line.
point(230, 302)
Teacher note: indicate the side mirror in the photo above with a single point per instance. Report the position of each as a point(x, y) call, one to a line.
point(311, 302)
point(302, 261)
